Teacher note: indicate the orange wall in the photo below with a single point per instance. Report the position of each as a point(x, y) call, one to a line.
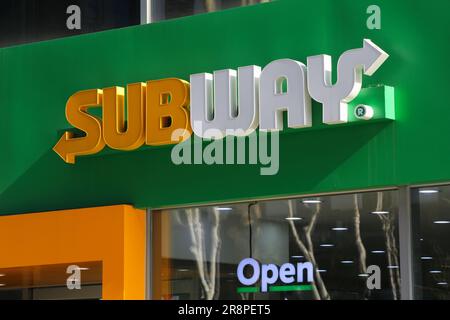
point(114, 235)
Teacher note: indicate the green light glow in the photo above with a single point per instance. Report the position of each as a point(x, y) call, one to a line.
point(276, 289)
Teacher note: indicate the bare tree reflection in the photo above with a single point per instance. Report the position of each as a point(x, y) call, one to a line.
point(388, 225)
point(207, 271)
point(359, 243)
point(319, 290)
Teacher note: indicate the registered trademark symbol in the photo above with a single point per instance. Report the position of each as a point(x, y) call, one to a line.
point(360, 111)
point(364, 112)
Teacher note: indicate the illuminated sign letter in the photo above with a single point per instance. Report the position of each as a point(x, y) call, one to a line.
point(283, 88)
point(115, 134)
point(256, 271)
point(68, 147)
point(167, 110)
point(235, 108)
point(351, 64)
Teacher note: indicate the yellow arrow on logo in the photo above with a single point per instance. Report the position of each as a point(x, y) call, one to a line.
point(69, 147)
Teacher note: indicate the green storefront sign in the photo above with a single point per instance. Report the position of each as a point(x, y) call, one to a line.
point(37, 79)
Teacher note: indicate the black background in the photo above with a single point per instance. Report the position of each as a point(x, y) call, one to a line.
point(280, 310)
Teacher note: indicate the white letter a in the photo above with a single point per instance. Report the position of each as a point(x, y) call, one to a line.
point(74, 20)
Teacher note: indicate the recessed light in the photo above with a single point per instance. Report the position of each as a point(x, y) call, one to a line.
point(392, 267)
point(435, 271)
point(378, 251)
point(326, 245)
point(182, 270)
point(442, 283)
point(441, 222)
point(297, 257)
point(428, 191)
point(2, 284)
point(346, 261)
point(224, 209)
point(363, 275)
point(339, 229)
point(426, 258)
point(380, 212)
point(311, 201)
point(321, 271)
point(293, 219)
point(421, 239)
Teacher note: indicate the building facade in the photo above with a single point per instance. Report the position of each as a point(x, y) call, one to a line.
point(320, 204)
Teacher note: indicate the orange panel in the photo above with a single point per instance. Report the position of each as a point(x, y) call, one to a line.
point(161, 267)
point(114, 235)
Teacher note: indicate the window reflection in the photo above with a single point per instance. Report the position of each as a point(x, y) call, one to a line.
point(26, 21)
point(431, 214)
point(49, 282)
point(169, 9)
point(198, 250)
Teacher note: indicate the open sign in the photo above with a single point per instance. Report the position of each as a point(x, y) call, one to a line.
point(268, 274)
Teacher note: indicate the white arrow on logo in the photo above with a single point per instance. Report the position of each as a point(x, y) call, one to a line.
point(351, 66)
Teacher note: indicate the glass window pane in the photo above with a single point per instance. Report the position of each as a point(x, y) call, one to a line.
point(25, 21)
point(169, 9)
point(51, 282)
point(431, 213)
point(198, 250)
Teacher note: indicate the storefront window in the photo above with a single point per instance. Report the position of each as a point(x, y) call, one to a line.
point(80, 281)
point(169, 9)
point(198, 251)
point(431, 217)
point(26, 21)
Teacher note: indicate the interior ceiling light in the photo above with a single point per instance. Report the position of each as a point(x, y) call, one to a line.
point(340, 229)
point(428, 191)
point(380, 212)
point(311, 201)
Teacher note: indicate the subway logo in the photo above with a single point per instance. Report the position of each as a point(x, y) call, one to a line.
point(212, 106)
